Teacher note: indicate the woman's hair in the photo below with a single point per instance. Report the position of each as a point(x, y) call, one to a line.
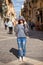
point(20, 20)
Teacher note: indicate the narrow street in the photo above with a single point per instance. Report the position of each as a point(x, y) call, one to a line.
point(21, 16)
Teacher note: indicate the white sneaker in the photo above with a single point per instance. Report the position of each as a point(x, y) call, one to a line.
point(24, 59)
point(20, 59)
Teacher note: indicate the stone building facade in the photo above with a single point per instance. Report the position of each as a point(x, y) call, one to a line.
point(11, 11)
point(0, 7)
point(33, 11)
point(8, 10)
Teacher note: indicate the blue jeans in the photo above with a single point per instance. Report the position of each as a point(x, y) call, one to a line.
point(21, 46)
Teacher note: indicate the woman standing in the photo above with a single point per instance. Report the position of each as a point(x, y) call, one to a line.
point(21, 40)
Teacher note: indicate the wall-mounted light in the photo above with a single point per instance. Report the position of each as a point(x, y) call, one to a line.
point(22, 6)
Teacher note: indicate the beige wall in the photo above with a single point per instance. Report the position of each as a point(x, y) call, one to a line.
point(11, 11)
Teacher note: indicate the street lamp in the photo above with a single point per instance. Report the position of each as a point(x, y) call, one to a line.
point(22, 6)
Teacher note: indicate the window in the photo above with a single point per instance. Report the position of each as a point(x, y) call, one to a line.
point(29, 12)
point(29, 4)
point(34, 1)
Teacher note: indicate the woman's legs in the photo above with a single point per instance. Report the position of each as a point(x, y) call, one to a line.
point(10, 30)
point(21, 47)
point(24, 48)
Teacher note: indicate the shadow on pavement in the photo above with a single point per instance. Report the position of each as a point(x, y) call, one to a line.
point(14, 52)
point(36, 34)
point(26, 64)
